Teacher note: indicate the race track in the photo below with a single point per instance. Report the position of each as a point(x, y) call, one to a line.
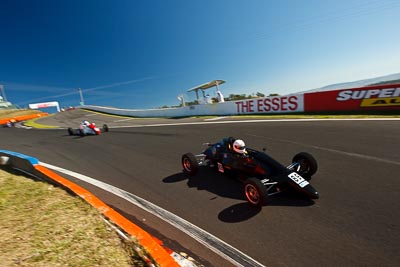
point(354, 223)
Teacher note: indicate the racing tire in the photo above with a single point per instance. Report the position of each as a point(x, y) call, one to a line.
point(190, 164)
point(308, 164)
point(105, 128)
point(70, 131)
point(255, 192)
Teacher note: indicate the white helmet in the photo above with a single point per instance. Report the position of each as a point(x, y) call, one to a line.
point(239, 146)
point(86, 123)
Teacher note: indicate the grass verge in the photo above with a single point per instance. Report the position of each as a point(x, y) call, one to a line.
point(43, 225)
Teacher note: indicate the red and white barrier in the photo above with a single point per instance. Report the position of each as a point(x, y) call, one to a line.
point(382, 97)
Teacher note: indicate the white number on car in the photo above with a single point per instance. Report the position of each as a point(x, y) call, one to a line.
point(298, 179)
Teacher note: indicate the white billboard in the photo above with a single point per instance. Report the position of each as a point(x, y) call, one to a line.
point(45, 105)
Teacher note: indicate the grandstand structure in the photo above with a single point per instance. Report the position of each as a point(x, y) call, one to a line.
point(4, 104)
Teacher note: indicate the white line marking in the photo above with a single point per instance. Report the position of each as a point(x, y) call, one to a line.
point(89, 115)
point(251, 121)
point(125, 119)
point(215, 119)
point(215, 244)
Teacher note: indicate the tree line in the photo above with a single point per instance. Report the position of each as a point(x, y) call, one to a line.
point(231, 97)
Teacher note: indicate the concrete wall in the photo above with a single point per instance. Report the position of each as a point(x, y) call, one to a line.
point(279, 104)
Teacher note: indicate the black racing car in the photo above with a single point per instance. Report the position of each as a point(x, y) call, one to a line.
point(262, 176)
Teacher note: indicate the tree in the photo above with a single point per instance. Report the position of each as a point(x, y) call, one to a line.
point(258, 94)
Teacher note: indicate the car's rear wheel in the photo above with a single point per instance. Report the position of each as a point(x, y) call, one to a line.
point(307, 165)
point(255, 192)
point(190, 164)
point(105, 128)
point(70, 131)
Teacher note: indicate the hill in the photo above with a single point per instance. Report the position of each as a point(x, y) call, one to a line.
point(387, 79)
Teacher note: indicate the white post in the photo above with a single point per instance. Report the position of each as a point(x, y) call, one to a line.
point(80, 93)
point(3, 94)
point(216, 83)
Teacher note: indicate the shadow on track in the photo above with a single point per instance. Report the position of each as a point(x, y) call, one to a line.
point(238, 213)
point(210, 181)
point(244, 211)
point(228, 187)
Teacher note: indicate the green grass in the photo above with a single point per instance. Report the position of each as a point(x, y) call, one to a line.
point(43, 225)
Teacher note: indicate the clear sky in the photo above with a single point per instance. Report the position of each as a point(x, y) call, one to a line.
point(143, 54)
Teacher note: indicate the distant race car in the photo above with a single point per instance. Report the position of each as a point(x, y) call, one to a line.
point(10, 123)
point(262, 176)
point(87, 128)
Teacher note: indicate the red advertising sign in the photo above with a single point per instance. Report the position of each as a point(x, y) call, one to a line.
point(383, 97)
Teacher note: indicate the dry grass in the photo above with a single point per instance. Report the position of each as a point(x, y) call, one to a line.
point(42, 225)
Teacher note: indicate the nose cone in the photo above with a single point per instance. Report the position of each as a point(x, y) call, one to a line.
point(316, 195)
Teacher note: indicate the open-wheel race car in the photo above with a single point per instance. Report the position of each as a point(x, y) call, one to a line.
point(87, 128)
point(262, 176)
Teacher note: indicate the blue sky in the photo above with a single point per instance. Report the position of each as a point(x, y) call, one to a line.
point(143, 54)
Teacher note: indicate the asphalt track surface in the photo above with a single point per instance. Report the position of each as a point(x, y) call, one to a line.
point(354, 223)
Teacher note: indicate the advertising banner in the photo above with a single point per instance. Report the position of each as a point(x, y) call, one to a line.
point(383, 97)
point(277, 104)
point(267, 105)
point(45, 105)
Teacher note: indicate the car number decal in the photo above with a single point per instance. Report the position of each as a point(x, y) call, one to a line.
point(298, 179)
point(220, 167)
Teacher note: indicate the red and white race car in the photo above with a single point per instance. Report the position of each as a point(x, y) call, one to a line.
point(87, 128)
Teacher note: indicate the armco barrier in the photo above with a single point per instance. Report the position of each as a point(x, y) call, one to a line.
point(32, 167)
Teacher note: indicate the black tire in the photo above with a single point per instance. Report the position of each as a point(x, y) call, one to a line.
point(190, 164)
point(81, 133)
point(308, 164)
point(70, 131)
point(255, 192)
point(105, 128)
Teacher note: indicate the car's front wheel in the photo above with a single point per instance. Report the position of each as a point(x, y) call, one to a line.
point(307, 165)
point(190, 164)
point(255, 192)
point(70, 131)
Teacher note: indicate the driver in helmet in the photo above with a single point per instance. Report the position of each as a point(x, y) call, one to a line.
point(87, 124)
point(233, 153)
point(233, 145)
point(231, 148)
point(239, 147)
